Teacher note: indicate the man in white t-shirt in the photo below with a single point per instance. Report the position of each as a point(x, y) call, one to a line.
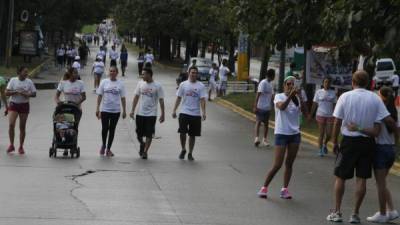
point(149, 57)
point(212, 82)
point(193, 95)
point(149, 92)
point(223, 77)
point(113, 56)
point(262, 106)
point(356, 151)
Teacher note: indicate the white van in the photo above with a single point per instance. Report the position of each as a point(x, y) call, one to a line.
point(384, 72)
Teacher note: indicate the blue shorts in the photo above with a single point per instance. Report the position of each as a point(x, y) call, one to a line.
point(284, 140)
point(384, 156)
point(262, 115)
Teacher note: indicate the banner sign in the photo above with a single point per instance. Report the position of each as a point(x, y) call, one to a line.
point(28, 42)
point(243, 62)
point(324, 62)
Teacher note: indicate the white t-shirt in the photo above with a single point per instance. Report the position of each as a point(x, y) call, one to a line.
point(98, 67)
point(69, 53)
point(72, 90)
point(213, 74)
point(223, 73)
point(60, 52)
point(395, 81)
point(149, 58)
point(76, 65)
point(384, 137)
point(266, 90)
point(361, 107)
point(114, 54)
point(326, 100)
point(112, 92)
point(287, 121)
point(149, 94)
point(17, 85)
point(191, 93)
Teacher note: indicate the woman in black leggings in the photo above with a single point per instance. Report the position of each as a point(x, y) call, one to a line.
point(111, 93)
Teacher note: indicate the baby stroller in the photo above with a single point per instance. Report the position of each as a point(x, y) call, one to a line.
point(72, 115)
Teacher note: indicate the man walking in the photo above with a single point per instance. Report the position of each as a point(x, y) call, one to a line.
point(262, 106)
point(193, 95)
point(149, 92)
point(364, 109)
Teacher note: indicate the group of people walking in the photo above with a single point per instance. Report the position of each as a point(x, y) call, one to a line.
point(366, 121)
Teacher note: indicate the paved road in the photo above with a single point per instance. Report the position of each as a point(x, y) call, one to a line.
point(218, 188)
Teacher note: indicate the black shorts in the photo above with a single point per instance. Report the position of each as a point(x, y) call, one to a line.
point(145, 126)
point(355, 153)
point(113, 62)
point(189, 125)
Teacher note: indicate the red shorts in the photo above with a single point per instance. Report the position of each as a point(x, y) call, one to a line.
point(325, 119)
point(22, 108)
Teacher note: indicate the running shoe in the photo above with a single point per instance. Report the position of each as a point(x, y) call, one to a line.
point(21, 150)
point(335, 217)
point(325, 149)
point(109, 153)
point(141, 150)
point(10, 148)
point(182, 154)
point(190, 157)
point(256, 142)
point(265, 143)
point(378, 218)
point(392, 215)
point(262, 193)
point(321, 152)
point(102, 150)
point(354, 219)
point(144, 155)
point(285, 194)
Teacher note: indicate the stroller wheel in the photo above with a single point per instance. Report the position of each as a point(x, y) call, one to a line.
point(78, 152)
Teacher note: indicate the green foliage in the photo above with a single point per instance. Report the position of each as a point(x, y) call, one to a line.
point(89, 29)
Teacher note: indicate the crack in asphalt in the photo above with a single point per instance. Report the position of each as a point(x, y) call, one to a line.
point(74, 178)
point(235, 169)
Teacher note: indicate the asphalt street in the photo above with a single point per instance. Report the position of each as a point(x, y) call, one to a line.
point(218, 188)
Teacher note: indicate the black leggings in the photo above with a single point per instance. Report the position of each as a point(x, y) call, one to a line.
point(108, 124)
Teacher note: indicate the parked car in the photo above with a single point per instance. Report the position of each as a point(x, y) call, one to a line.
point(384, 71)
point(204, 66)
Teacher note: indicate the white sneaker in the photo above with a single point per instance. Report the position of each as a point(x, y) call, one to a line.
point(265, 143)
point(256, 142)
point(392, 215)
point(335, 217)
point(378, 218)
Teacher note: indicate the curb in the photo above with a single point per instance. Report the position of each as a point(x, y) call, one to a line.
point(307, 137)
point(38, 69)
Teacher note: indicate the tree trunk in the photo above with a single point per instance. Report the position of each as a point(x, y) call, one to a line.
point(195, 48)
point(203, 49)
point(165, 47)
point(178, 49)
point(188, 50)
point(264, 61)
point(231, 57)
point(282, 68)
point(212, 51)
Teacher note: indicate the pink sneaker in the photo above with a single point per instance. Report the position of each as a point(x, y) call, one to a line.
point(21, 150)
point(262, 193)
point(10, 148)
point(285, 194)
point(109, 153)
point(102, 150)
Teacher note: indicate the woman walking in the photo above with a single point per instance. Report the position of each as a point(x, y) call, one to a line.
point(111, 93)
point(123, 59)
point(20, 89)
point(288, 107)
point(324, 102)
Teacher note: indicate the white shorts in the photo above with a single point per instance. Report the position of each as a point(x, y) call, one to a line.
point(212, 85)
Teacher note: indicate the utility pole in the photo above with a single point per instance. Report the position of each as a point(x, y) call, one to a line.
point(10, 26)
